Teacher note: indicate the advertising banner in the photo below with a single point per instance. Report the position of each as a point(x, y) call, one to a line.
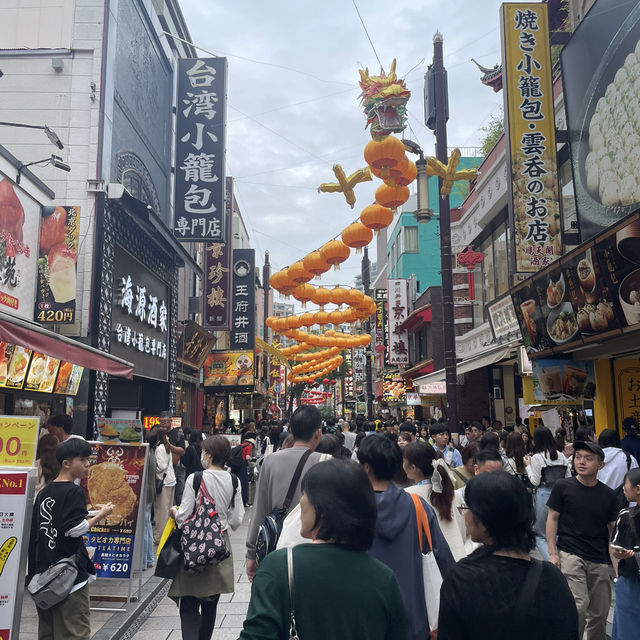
point(534, 206)
point(14, 534)
point(433, 388)
point(19, 230)
point(115, 475)
point(217, 269)
point(599, 80)
point(503, 318)
point(200, 150)
point(393, 388)
point(228, 369)
point(57, 259)
point(194, 344)
point(18, 440)
point(119, 430)
point(563, 381)
point(591, 294)
point(398, 313)
point(627, 386)
point(243, 314)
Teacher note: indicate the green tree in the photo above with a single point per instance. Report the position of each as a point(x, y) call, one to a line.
point(492, 133)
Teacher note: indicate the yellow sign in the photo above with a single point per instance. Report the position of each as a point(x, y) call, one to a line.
point(627, 386)
point(18, 440)
point(531, 142)
point(228, 369)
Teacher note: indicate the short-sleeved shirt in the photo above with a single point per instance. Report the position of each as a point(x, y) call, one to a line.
point(585, 513)
point(627, 535)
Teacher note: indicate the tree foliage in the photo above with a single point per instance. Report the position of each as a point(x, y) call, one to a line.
point(492, 133)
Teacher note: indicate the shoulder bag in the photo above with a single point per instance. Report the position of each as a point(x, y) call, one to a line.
point(269, 531)
point(53, 585)
point(431, 576)
point(293, 631)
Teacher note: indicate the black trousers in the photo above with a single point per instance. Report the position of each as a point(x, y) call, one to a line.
point(197, 617)
point(181, 475)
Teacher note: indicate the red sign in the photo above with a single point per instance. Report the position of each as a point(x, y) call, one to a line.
point(149, 422)
point(13, 484)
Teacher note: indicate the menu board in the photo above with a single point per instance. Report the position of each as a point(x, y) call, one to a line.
point(563, 381)
point(69, 376)
point(119, 430)
point(17, 364)
point(42, 373)
point(593, 293)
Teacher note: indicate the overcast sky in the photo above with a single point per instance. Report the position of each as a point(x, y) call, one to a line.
point(293, 108)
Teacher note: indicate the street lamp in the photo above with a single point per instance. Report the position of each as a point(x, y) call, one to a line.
point(55, 161)
point(423, 213)
point(52, 135)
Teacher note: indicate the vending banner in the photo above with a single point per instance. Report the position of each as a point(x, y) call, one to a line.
point(200, 150)
point(57, 260)
point(115, 475)
point(563, 381)
point(534, 207)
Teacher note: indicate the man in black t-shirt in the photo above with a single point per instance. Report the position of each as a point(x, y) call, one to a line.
point(582, 512)
point(58, 524)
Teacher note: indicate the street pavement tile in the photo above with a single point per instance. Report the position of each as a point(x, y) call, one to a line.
point(237, 608)
point(154, 634)
point(162, 623)
point(169, 609)
point(242, 593)
point(230, 620)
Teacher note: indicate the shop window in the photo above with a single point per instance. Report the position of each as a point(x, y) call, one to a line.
point(410, 239)
point(134, 184)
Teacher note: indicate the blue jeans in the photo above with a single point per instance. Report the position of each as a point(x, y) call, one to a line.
point(539, 528)
point(148, 557)
point(626, 613)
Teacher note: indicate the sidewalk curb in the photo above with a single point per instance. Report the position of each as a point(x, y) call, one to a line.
point(123, 626)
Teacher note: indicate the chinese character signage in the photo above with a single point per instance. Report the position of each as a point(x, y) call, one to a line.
point(217, 269)
point(58, 255)
point(531, 143)
point(359, 364)
point(19, 228)
point(397, 312)
point(381, 325)
point(348, 377)
point(194, 344)
point(563, 381)
point(503, 318)
point(599, 86)
point(228, 369)
point(115, 475)
point(140, 317)
point(243, 295)
point(627, 386)
point(200, 150)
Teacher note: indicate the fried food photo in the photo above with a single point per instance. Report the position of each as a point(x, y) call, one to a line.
point(107, 482)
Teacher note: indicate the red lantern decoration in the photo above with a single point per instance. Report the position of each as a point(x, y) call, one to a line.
point(469, 259)
point(325, 381)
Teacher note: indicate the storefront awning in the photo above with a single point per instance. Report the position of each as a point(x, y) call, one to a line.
point(34, 337)
point(417, 318)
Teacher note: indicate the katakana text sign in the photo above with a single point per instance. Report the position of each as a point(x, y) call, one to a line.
point(243, 301)
point(200, 150)
point(531, 143)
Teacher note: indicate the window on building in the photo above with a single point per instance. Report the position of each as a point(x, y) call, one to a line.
point(134, 184)
point(488, 270)
point(410, 239)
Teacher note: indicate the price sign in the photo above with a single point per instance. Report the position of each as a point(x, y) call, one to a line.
point(18, 439)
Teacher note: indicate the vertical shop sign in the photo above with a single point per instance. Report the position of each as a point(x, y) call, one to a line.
point(398, 312)
point(627, 385)
point(217, 272)
point(534, 206)
point(57, 259)
point(348, 378)
point(243, 299)
point(381, 324)
point(200, 150)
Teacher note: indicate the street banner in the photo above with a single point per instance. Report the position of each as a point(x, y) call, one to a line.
point(398, 311)
point(57, 260)
point(534, 206)
point(18, 441)
point(243, 299)
point(115, 475)
point(200, 150)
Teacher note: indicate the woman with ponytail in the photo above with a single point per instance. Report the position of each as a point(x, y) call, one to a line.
point(432, 481)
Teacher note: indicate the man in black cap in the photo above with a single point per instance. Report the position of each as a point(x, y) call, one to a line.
point(631, 442)
point(582, 513)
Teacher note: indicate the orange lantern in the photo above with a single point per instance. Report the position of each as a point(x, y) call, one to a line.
point(339, 295)
point(306, 320)
point(349, 315)
point(335, 252)
point(321, 318)
point(280, 325)
point(335, 317)
point(408, 175)
point(355, 297)
point(384, 153)
point(315, 263)
point(303, 293)
point(391, 197)
point(376, 217)
point(356, 236)
point(293, 322)
point(270, 321)
point(321, 296)
point(281, 282)
point(298, 274)
point(399, 169)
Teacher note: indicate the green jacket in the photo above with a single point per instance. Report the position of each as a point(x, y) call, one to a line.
point(337, 594)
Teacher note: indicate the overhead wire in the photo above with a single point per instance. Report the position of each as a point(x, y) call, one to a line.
point(364, 26)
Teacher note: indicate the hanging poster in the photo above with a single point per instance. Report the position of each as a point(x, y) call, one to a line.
point(398, 312)
point(563, 381)
point(534, 207)
point(200, 150)
point(194, 344)
point(115, 475)
point(119, 430)
point(57, 259)
point(228, 369)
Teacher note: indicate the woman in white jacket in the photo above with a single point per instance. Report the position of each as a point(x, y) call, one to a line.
point(165, 478)
point(544, 467)
point(616, 461)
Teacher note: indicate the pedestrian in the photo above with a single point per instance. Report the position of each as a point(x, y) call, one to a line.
point(631, 441)
point(526, 438)
point(562, 444)
point(46, 462)
point(528, 599)
point(617, 462)
point(476, 431)
point(165, 480)
point(432, 482)
point(197, 594)
point(59, 521)
point(582, 513)
point(487, 461)
point(330, 443)
point(515, 452)
point(349, 435)
point(544, 468)
point(465, 471)
point(191, 458)
point(278, 470)
point(404, 439)
point(625, 547)
point(174, 439)
point(149, 499)
point(440, 435)
point(338, 518)
point(60, 426)
point(396, 542)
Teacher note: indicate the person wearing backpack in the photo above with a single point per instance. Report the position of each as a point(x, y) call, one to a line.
point(196, 592)
point(617, 463)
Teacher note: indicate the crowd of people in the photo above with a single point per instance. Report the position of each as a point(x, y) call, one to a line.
point(528, 532)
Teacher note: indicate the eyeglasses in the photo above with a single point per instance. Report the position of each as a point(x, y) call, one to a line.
point(462, 508)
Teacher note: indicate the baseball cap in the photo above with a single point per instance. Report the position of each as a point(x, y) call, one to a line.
point(630, 425)
point(590, 446)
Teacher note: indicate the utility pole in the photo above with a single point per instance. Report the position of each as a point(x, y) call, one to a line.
point(442, 115)
point(266, 274)
point(366, 285)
